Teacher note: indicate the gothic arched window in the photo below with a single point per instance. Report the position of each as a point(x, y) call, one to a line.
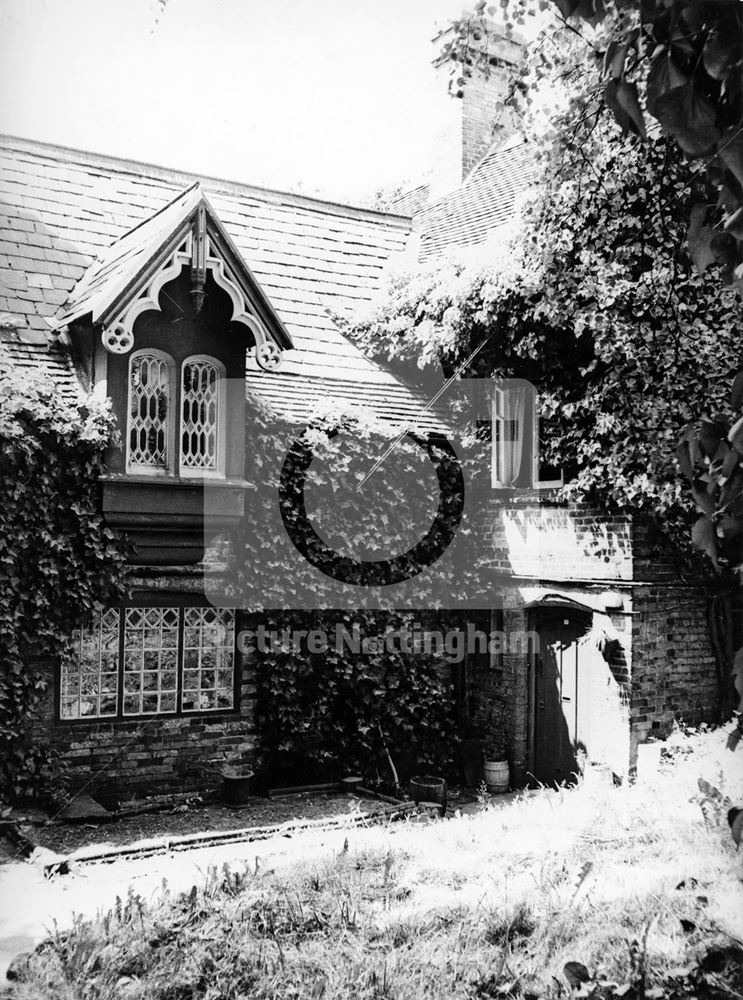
point(202, 416)
point(150, 425)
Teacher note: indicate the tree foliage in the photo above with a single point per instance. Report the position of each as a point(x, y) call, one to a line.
point(609, 298)
point(675, 63)
point(600, 305)
point(58, 561)
point(341, 712)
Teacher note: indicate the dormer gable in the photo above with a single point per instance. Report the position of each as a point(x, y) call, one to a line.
point(127, 279)
point(161, 325)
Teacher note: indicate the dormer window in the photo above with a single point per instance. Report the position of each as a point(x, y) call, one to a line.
point(156, 420)
point(164, 322)
point(150, 431)
point(202, 417)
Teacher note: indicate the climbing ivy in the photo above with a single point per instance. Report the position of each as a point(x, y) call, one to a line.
point(58, 561)
point(343, 708)
point(342, 712)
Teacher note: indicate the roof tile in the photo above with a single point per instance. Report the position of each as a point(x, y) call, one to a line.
point(471, 214)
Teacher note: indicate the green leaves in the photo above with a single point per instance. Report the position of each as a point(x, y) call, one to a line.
point(735, 436)
point(699, 238)
point(325, 711)
point(721, 52)
point(689, 75)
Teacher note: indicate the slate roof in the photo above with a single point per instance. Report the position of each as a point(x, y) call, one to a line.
point(61, 209)
point(486, 202)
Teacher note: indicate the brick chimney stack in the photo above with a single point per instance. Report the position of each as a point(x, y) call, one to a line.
point(471, 118)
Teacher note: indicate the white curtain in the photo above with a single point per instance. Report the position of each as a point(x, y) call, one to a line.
point(510, 445)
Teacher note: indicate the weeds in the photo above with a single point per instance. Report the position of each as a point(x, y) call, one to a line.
point(590, 893)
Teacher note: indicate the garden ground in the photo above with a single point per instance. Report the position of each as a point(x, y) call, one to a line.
point(631, 884)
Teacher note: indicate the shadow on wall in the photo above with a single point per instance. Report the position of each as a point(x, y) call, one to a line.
point(541, 541)
point(578, 695)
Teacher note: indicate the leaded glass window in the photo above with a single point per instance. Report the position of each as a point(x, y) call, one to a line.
point(150, 660)
point(200, 415)
point(174, 659)
point(149, 410)
point(89, 678)
point(208, 651)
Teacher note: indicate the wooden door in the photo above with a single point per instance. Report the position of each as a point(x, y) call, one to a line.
point(559, 686)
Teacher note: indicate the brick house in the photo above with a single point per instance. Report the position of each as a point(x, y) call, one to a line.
point(157, 290)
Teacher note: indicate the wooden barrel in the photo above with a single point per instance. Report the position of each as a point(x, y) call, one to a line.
point(496, 775)
point(428, 788)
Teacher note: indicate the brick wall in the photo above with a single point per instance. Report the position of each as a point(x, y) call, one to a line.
point(663, 667)
point(674, 673)
point(548, 541)
point(515, 683)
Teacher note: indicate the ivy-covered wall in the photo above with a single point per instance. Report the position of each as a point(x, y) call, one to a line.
point(58, 561)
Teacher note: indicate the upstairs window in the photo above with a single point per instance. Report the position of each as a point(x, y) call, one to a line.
point(150, 412)
point(158, 419)
point(516, 461)
point(202, 433)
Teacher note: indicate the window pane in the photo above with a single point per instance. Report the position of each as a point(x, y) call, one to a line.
point(513, 416)
point(151, 640)
point(89, 678)
point(208, 642)
point(200, 415)
point(149, 411)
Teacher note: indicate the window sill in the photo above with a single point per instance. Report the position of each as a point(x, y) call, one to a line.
point(528, 494)
point(136, 721)
point(163, 479)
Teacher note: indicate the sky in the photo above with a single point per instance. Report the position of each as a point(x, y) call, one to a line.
point(330, 97)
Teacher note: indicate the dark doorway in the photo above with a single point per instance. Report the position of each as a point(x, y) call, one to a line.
point(559, 693)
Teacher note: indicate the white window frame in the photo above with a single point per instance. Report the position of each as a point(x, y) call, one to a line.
point(219, 472)
point(71, 675)
point(137, 468)
point(530, 442)
point(136, 666)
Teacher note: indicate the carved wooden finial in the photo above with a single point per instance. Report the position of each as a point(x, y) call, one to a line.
point(198, 260)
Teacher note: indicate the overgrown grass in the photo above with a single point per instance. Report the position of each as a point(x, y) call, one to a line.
point(632, 886)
